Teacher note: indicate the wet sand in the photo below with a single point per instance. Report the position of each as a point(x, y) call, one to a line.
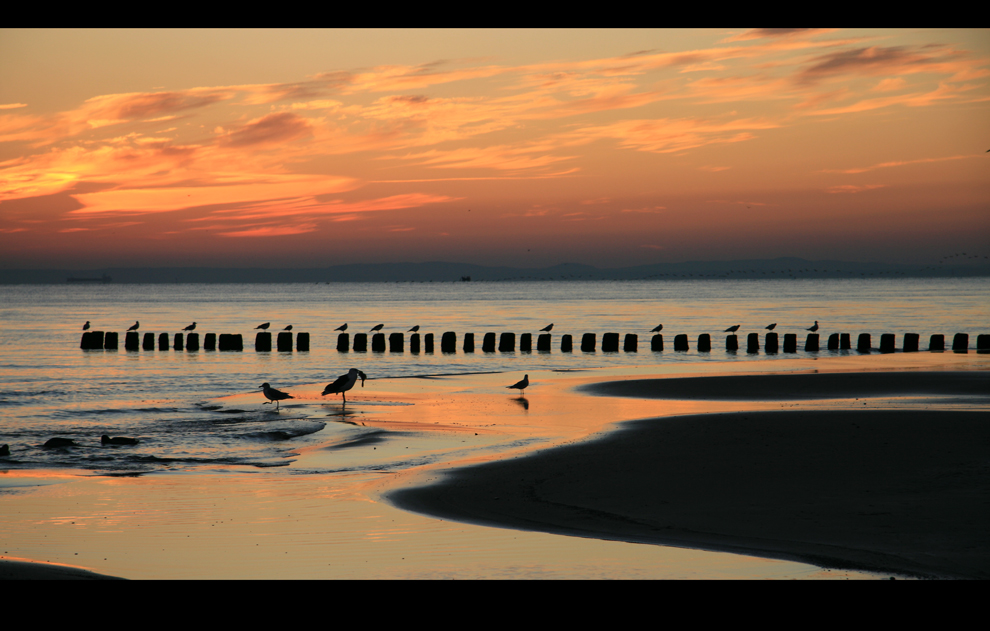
point(903, 490)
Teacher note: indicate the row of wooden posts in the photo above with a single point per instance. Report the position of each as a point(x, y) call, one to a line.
point(507, 342)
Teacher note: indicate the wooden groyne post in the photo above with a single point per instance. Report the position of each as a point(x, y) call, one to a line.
point(833, 342)
point(566, 343)
point(936, 342)
point(526, 343)
point(163, 342)
point(148, 343)
point(378, 343)
point(960, 343)
point(428, 343)
point(630, 343)
point(588, 343)
point(790, 342)
point(210, 342)
point(770, 344)
point(753, 343)
point(656, 342)
point(731, 343)
point(469, 342)
point(396, 343)
point(488, 343)
point(448, 342)
point(178, 342)
point(704, 343)
point(610, 343)
point(284, 342)
point(811, 343)
point(983, 343)
point(911, 342)
point(414, 343)
point(681, 342)
point(230, 342)
point(507, 343)
point(302, 342)
point(263, 342)
point(192, 342)
point(864, 343)
point(360, 342)
point(543, 342)
point(131, 341)
point(887, 343)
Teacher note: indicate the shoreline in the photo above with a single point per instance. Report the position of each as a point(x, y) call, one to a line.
point(899, 490)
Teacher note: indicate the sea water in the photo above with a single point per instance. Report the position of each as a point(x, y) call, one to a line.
point(50, 387)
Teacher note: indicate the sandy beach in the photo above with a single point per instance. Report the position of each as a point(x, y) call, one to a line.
point(768, 470)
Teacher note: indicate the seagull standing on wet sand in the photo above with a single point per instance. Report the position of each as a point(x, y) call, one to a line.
point(547, 328)
point(191, 327)
point(521, 385)
point(345, 383)
point(135, 326)
point(732, 329)
point(274, 395)
point(263, 327)
point(813, 329)
point(657, 329)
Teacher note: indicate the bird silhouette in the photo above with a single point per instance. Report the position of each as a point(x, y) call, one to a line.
point(377, 327)
point(547, 328)
point(341, 328)
point(274, 395)
point(135, 326)
point(191, 327)
point(813, 328)
point(345, 383)
point(414, 329)
point(520, 385)
point(771, 327)
point(263, 327)
point(732, 329)
point(288, 328)
point(86, 326)
point(118, 440)
point(657, 328)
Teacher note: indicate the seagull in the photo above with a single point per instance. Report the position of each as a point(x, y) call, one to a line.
point(771, 327)
point(288, 328)
point(657, 329)
point(377, 327)
point(86, 326)
point(135, 327)
point(813, 328)
point(345, 383)
point(521, 385)
point(732, 329)
point(546, 329)
point(191, 327)
point(264, 326)
point(414, 329)
point(118, 440)
point(341, 328)
point(274, 395)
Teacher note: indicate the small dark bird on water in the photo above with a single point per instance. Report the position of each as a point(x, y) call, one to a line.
point(288, 328)
point(135, 326)
point(263, 327)
point(377, 327)
point(771, 327)
point(341, 328)
point(86, 326)
point(813, 328)
point(547, 328)
point(60, 442)
point(345, 383)
point(657, 329)
point(520, 385)
point(274, 395)
point(191, 327)
point(414, 329)
point(118, 440)
point(732, 329)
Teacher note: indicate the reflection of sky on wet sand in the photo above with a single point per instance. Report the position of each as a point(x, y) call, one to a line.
point(322, 516)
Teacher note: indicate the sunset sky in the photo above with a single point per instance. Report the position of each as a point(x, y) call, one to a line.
point(308, 148)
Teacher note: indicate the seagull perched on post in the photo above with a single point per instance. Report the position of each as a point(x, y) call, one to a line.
point(547, 328)
point(288, 328)
point(345, 383)
point(135, 326)
point(274, 395)
point(191, 327)
point(771, 327)
point(813, 328)
point(341, 328)
point(414, 329)
point(263, 327)
point(377, 327)
point(86, 326)
point(732, 329)
point(657, 329)
point(521, 385)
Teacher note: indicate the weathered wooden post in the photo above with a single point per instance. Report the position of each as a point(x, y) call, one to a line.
point(192, 342)
point(864, 343)
point(753, 343)
point(302, 341)
point(131, 341)
point(284, 342)
point(343, 342)
point(790, 342)
point(566, 343)
point(148, 343)
point(448, 342)
point(263, 342)
point(526, 342)
point(210, 342)
point(178, 341)
point(230, 342)
point(960, 343)
point(833, 342)
point(610, 343)
point(681, 342)
point(92, 341)
point(543, 342)
point(911, 342)
point(656, 342)
point(468, 343)
point(428, 343)
point(414, 343)
point(731, 343)
point(507, 343)
point(844, 342)
point(770, 344)
point(983, 342)
point(163, 342)
point(110, 341)
point(704, 343)
point(630, 343)
point(811, 343)
point(378, 343)
point(396, 343)
point(588, 343)
point(360, 342)
point(488, 343)
point(887, 343)
point(936, 342)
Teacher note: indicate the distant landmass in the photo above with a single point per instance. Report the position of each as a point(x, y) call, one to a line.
point(463, 272)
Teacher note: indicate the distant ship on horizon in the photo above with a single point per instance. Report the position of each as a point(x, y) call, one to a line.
point(102, 279)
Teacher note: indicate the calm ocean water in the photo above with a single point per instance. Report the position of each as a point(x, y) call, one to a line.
point(49, 387)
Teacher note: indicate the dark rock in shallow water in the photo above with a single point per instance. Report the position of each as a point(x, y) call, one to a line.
point(118, 440)
point(4, 450)
point(60, 442)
